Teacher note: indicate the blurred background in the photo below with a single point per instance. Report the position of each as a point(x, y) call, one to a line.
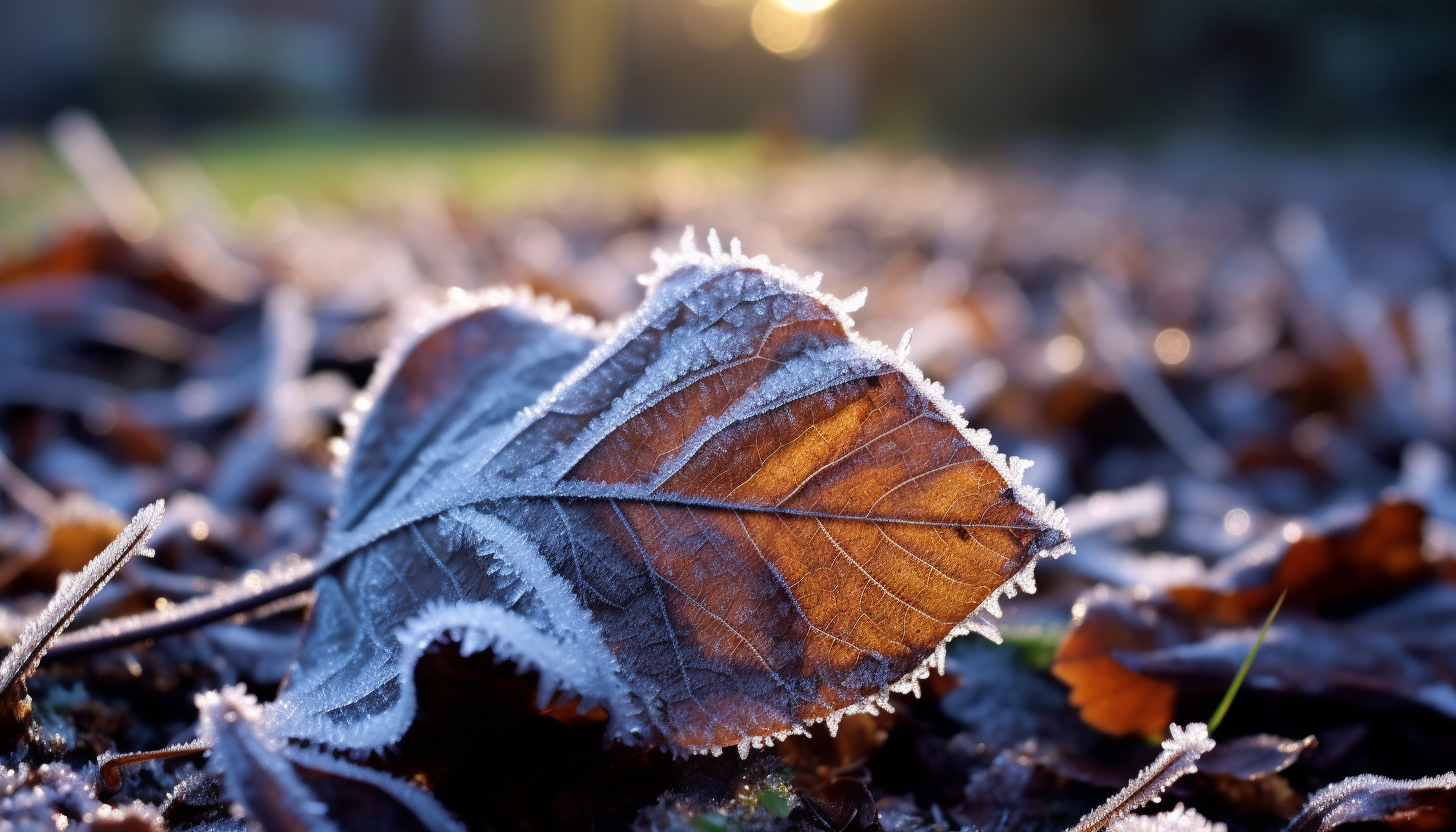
point(1195, 258)
point(952, 71)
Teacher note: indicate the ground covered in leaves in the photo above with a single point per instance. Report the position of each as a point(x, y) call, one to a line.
point(1238, 378)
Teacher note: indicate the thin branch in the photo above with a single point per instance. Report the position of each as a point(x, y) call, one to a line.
point(111, 762)
point(1180, 754)
point(255, 592)
point(41, 632)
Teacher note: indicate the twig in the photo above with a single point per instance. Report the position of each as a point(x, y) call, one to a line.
point(250, 593)
point(111, 762)
point(1180, 754)
point(70, 598)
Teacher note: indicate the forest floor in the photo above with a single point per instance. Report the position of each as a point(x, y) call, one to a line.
point(1236, 374)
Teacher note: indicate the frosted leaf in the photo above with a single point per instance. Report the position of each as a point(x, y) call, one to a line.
point(283, 786)
point(1252, 757)
point(1370, 797)
point(1181, 751)
point(726, 519)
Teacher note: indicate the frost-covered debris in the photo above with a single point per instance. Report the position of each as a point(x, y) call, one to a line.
point(1370, 797)
point(1180, 819)
point(282, 786)
point(52, 796)
point(578, 503)
point(763, 806)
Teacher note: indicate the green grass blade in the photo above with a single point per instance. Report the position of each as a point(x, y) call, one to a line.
point(1228, 698)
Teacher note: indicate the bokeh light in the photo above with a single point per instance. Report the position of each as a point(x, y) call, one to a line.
point(1236, 522)
point(784, 31)
point(808, 6)
point(1064, 353)
point(1172, 346)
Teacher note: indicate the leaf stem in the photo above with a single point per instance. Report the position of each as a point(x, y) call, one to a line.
point(1228, 697)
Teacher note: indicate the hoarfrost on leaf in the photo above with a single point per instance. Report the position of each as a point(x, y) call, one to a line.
point(1371, 797)
point(726, 519)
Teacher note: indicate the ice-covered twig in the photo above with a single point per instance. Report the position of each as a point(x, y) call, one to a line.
point(73, 595)
point(252, 592)
point(1181, 751)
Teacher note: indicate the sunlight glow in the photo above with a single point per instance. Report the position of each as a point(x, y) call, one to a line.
point(807, 6)
point(784, 31)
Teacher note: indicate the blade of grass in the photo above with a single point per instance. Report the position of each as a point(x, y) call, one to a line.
point(1228, 697)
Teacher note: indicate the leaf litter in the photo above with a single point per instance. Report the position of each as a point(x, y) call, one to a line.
point(1268, 420)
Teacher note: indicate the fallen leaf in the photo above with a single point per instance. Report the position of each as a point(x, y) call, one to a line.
point(75, 528)
point(1347, 566)
point(727, 519)
point(1109, 696)
point(1425, 804)
point(1247, 758)
point(289, 788)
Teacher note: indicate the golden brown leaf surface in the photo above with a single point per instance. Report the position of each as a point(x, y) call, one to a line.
point(761, 520)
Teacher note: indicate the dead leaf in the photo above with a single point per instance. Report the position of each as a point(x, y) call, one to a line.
point(727, 519)
point(1109, 696)
point(1350, 565)
point(1425, 804)
point(289, 788)
point(1247, 758)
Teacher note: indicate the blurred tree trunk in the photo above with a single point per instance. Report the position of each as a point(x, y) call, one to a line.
point(582, 51)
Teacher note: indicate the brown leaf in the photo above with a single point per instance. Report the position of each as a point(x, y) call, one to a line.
point(1108, 696)
point(732, 517)
point(76, 528)
point(1350, 565)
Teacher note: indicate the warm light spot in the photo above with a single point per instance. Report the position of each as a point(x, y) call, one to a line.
point(1064, 353)
point(1292, 532)
point(785, 32)
point(1236, 522)
point(808, 6)
point(199, 530)
point(162, 604)
point(1172, 346)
